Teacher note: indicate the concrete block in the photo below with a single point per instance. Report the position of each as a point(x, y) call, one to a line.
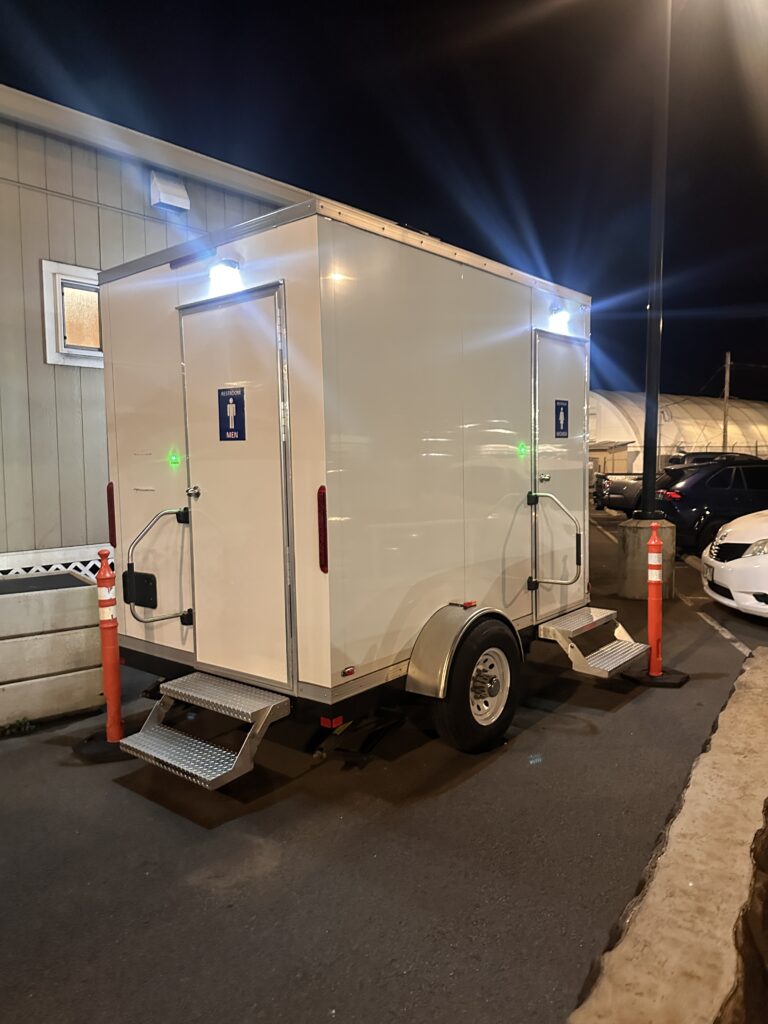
point(680, 957)
point(50, 696)
point(45, 611)
point(634, 535)
point(27, 657)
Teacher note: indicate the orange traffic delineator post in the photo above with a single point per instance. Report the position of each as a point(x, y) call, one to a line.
point(656, 675)
point(110, 649)
point(655, 584)
point(104, 745)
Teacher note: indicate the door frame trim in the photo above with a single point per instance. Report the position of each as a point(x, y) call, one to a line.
point(276, 289)
point(538, 334)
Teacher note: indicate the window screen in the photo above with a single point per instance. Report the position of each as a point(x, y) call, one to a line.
point(80, 316)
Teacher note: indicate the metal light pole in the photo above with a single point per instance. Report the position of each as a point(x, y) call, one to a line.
point(655, 321)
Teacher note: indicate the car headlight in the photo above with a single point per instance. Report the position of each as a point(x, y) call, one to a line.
point(760, 547)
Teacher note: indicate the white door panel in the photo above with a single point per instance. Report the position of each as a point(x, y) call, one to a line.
point(235, 458)
point(560, 469)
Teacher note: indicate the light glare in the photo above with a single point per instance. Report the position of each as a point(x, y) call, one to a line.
point(224, 277)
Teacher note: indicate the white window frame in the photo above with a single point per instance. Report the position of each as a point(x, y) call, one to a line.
point(56, 351)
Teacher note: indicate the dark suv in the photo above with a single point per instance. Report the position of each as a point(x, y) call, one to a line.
point(700, 499)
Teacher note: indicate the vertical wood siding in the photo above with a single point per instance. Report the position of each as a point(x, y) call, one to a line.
point(73, 204)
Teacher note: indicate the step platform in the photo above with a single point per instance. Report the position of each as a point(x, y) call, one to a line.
point(611, 659)
point(206, 763)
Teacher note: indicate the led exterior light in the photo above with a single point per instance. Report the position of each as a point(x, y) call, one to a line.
point(174, 459)
point(224, 277)
point(558, 319)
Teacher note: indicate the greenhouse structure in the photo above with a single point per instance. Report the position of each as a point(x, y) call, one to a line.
point(686, 424)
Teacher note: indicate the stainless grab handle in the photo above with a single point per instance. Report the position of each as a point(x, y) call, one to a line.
point(184, 512)
point(574, 520)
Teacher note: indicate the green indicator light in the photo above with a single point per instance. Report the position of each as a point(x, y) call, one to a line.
point(522, 449)
point(174, 459)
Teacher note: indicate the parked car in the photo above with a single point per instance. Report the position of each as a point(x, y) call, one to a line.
point(700, 500)
point(624, 490)
point(698, 458)
point(600, 490)
point(734, 568)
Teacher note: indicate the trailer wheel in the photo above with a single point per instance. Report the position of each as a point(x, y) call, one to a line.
point(483, 688)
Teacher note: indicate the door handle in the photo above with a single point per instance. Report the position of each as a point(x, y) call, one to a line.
point(193, 492)
point(544, 478)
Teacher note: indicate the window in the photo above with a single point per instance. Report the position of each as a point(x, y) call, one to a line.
point(71, 311)
point(722, 479)
point(756, 477)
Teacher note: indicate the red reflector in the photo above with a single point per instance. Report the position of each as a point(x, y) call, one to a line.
point(111, 514)
point(331, 723)
point(348, 671)
point(669, 495)
point(469, 604)
point(322, 529)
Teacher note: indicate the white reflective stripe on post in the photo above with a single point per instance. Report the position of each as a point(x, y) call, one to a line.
point(654, 575)
point(110, 612)
point(106, 593)
point(654, 558)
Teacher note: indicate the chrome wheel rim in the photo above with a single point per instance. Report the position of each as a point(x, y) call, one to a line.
point(489, 686)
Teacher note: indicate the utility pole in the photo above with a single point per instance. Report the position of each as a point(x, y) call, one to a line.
point(655, 321)
point(726, 396)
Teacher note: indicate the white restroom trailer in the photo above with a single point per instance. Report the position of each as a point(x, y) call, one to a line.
point(343, 455)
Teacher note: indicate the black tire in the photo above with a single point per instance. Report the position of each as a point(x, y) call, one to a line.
point(454, 719)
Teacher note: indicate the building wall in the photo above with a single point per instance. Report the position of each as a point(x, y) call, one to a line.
point(74, 204)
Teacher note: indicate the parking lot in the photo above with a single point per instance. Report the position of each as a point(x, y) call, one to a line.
point(411, 883)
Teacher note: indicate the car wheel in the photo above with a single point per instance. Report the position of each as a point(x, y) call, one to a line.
point(483, 688)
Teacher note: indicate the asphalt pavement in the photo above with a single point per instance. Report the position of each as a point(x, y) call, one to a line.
point(416, 884)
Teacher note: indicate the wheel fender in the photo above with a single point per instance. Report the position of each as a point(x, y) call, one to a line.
point(437, 643)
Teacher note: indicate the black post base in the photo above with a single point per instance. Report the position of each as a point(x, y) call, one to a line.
point(670, 679)
point(96, 749)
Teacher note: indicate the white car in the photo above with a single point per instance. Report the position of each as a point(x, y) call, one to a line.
point(734, 568)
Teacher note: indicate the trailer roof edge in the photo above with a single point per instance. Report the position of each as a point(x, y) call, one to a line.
point(347, 215)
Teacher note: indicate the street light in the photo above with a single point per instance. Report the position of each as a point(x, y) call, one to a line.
point(655, 318)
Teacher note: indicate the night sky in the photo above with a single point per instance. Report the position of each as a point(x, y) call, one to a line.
point(520, 130)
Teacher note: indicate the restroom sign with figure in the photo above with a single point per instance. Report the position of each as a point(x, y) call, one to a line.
point(561, 417)
point(231, 414)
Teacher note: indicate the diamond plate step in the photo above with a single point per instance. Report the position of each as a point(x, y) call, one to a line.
point(238, 700)
point(191, 758)
point(575, 623)
point(615, 656)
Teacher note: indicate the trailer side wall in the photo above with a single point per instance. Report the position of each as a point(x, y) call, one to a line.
point(428, 434)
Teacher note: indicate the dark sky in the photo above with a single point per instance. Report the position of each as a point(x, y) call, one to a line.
point(520, 130)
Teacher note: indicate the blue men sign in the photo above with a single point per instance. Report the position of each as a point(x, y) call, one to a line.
point(561, 417)
point(231, 414)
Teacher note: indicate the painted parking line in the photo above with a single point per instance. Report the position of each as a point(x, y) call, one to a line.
point(714, 624)
point(603, 530)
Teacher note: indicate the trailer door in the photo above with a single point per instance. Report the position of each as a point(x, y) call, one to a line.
point(560, 472)
point(236, 400)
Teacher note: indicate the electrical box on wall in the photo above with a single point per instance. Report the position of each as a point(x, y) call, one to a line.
point(167, 192)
